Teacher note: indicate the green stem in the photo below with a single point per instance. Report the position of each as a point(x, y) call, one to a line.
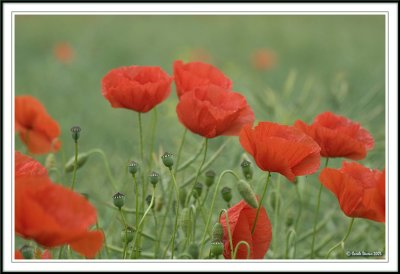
point(60, 252)
point(141, 137)
point(300, 205)
point(178, 157)
point(260, 203)
point(212, 206)
point(136, 209)
point(107, 166)
point(189, 161)
point(228, 228)
point(155, 228)
point(341, 243)
point(153, 135)
point(75, 166)
point(177, 213)
point(205, 196)
point(237, 249)
point(276, 227)
point(198, 171)
point(126, 233)
point(316, 215)
point(288, 237)
point(165, 217)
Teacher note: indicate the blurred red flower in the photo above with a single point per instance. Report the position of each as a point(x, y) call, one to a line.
point(37, 130)
point(283, 149)
point(359, 190)
point(39, 254)
point(338, 136)
point(51, 214)
point(64, 52)
point(211, 111)
point(138, 88)
point(198, 74)
point(263, 59)
point(241, 219)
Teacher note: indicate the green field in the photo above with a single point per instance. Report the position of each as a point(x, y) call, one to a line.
point(331, 62)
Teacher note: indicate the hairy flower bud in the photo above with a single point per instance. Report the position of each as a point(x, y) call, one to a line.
point(247, 193)
point(226, 193)
point(217, 233)
point(197, 190)
point(81, 160)
point(210, 178)
point(217, 248)
point(27, 251)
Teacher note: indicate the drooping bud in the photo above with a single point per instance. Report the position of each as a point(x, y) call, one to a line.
point(247, 169)
point(217, 248)
point(226, 193)
point(50, 161)
point(167, 159)
point(154, 177)
point(247, 193)
point(185, 220)
point(75, 130)
point(27, 251)
point(159, 203)
point(133, 167)
point(217, 233)
point(197, 190)
point(210, 178)
point(148, 200)
point(119, 200)
point(182, 196)
point(193, 250)
point(289, 220)
point(81, 160)
point(127, 234)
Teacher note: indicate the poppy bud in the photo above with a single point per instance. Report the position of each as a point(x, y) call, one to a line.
point(210, 178)
point(154, 177)
point(247, 169)
point(198, 188)
point(193, 250)
point(148, 200)
point(186, 220)
point(217, 248)
point(159, 203)
point(50, 161)
point(127, 235)
point(119, 200)
point(75, 133)
point(182, 196)
point(217, 233)
point(226, 194)
point(27, 252)
point(167, 159)
point(82, 158)
point(247, 193)
point(289, 220)
point(133, 167)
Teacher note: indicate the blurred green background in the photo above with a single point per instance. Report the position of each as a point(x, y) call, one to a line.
point(332, 62)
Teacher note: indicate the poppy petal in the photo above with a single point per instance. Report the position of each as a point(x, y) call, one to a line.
point(89, 244)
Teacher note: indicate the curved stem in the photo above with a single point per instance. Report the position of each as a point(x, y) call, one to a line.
point(343, 240)
point(212, 206)
point(228, 227)
point(316, 215)
point(290, 233)
point(237, 249)
point(260, 202)
point(177, 213)
point(198, 171)
point(178, 157)
point(107, 165)
point(75, 166)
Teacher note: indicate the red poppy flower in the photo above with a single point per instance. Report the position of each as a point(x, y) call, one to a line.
point(198, 74)
point(211, 111)
point(263, 59)
point(36, 128)
point(137, 88)
point(39, 254)
point(283, 149)
point(51, 214)
point(241, 220)
point(64, 52)
point(338, 136)
point(359, 190)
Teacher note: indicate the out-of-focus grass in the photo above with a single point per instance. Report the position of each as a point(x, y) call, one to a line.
point(333, 63)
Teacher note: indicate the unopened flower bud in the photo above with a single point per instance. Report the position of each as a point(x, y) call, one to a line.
point(247, 193)
point(27, 251)
point(148, 200)
point(81, 160)
point(226, 193)
point(197, 190)
point(50, 161)
point(167, 159)
point(217, 248)
point(75, 133)
point(186, 220)
point(289, 220)
point(217, 232)
point(193, 250)
point(154, 177)
point(210, 178)
point(247, 169)
point(133, 167)
point(182, 196)
point(119, 200)
point(159, 203)
point(127, 235)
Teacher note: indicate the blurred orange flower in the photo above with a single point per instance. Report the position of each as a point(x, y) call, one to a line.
point(263, 59)
point(64, 52)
